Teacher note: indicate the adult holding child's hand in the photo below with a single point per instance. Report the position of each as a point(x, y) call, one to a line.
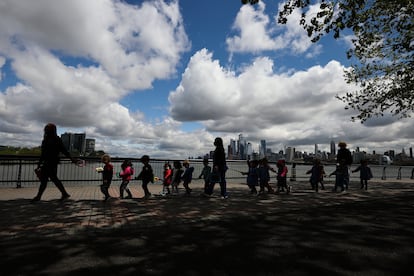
point(52, 146)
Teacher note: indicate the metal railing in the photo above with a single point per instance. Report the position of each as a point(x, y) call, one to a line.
point(18, 171)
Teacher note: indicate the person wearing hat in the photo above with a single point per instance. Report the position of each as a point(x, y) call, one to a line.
point(344, 155)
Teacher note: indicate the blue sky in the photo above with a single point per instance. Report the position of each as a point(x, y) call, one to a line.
point(165, 78)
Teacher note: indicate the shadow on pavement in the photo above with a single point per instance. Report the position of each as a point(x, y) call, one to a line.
point(300, 234)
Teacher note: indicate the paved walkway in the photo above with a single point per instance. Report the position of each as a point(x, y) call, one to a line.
point(352, 233)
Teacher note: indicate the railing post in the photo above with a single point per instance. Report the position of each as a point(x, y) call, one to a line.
point(19, 175)
point(399, 173)
point(412, 173)
point(293, 172)
point(383, 174)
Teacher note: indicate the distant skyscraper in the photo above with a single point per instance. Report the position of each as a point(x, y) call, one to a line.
point(90, 145)
point(262, 150)
point(74, 141)
point(66, 139)
point(80, 142)
point(249, 150)
point(242, 147)
point(290, 153)
point(333, 149)
point(316, 149)
point(232, 148)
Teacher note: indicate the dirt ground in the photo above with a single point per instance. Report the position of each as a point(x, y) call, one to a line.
point(304, 233)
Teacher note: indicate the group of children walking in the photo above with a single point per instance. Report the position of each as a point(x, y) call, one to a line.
point(341, 173)
point(126, 173)
point(258, 175)
point(172, 177)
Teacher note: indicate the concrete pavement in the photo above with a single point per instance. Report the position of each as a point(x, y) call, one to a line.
point(352, 233)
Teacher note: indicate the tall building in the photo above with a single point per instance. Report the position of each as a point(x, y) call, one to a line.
point(242, 150)
point(249, 151)
point(74, 142)
point(290, 153)
point(262, 148)
point(90, 145)
point(232, 148)
point(67, 139)
point(333, 149)
point(316, 149)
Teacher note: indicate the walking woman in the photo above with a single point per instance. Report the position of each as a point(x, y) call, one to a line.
point(219, 169)
point(51, 147)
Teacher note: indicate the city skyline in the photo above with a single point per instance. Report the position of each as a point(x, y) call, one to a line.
point(236, 149)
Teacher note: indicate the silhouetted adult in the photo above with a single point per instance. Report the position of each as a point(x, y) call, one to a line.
point(344, 155)
point(219, 168)
point(51, 147)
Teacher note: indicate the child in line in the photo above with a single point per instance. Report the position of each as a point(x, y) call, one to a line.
point(187, 176)
point(167, 179)
point(107, 174)
point(205, 174)
point(126, 172)
point(282, 171)
point(176, 179)
point(365, 173)
point(317, 172)
point(146, 175)
point(264, 176)
point(340, 173)
point(252, 178)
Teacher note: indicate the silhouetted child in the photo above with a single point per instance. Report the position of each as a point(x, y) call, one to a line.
point(323, 174)
point(340, 173)
point(167, 179)
point(146, 175)
point(187, 176)
point(107, 174)
point(317, 172)
point(264, 176)
point(252, 179)
point(365, 173)
point(176, 179)
point(126, 172)
point(282, 171)
point(205, 174)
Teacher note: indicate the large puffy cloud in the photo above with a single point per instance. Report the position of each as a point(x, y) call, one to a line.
point(74, 61)
point(134, 44)
point(256, 32)
point(297, 108)
point(215, 95)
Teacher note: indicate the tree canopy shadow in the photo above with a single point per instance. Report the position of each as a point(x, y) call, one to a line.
point(300, 234)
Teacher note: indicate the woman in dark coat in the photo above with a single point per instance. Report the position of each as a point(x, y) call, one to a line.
point(52, 146)
point(219, 168)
